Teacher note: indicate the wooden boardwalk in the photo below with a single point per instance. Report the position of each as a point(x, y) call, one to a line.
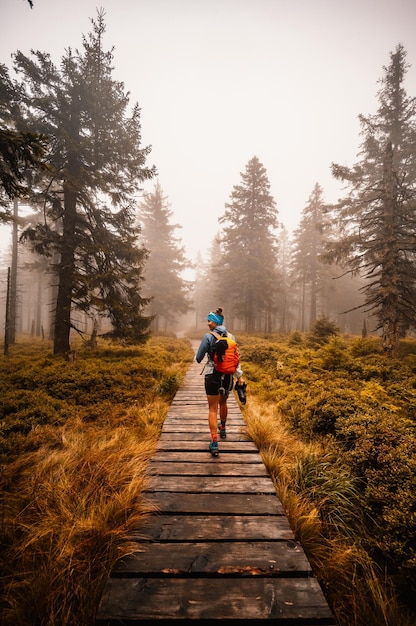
point(220, 546)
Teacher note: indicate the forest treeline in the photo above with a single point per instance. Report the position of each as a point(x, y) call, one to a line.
point(97, 255)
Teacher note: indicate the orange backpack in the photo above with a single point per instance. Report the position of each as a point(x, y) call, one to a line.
point(226, 355)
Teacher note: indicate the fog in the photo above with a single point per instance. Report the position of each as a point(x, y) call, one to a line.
point(220, 81)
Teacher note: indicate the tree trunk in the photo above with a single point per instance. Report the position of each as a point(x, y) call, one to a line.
point(39, 306)
point(13, 279)
point(6, 326)
point(67, 261)
point(66, 270)
point(390, 307)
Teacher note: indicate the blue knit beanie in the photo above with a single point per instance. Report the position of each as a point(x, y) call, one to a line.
point(215, 317)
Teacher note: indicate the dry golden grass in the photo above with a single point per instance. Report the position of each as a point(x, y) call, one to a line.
point(354, 586)
point(69, 509)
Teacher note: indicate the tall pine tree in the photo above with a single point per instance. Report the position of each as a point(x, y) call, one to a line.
point(20, 151)
point(307, 248)
point(96, 166)
point(377, 216)
point(247, 273)
point(164, 284)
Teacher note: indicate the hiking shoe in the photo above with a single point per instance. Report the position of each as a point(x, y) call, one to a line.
point(222, 431)
point(241, 392)
point(213, 447)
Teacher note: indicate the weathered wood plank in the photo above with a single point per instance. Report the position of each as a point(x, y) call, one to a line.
point(191, 468)
point(201, 457)
point(202, 435)
point(210, 484)
point(131, 600)
point(219, 545)
point(261, 558)
point(183, 425)
point(231, 503)
point(183, 527)
point(195, 446)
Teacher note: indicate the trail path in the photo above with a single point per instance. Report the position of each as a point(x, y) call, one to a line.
point(220, 546)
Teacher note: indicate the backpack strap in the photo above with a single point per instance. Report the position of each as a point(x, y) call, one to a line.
point(217, 335)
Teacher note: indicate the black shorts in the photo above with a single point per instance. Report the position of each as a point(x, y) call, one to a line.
point(216, 381)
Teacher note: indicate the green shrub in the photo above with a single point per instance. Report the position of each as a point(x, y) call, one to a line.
point(321, 331)
point(295, 339)
point(381, 451)
point(363, 346)
point(345, 395)
point(333, 354)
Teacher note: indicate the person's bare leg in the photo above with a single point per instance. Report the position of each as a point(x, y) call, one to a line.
point(213, 416)
point(223, 408)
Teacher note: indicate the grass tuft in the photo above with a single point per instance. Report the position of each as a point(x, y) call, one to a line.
point(73, 492)
point(322, 503)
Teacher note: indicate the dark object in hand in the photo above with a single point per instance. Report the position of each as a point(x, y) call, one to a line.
point(241, 392)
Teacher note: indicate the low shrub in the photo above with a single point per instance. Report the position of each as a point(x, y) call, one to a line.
point(345, 395)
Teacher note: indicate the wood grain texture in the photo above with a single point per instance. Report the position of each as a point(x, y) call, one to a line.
point(219, 546)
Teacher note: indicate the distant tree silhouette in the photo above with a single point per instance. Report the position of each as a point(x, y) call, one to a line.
point(205, 293)
point(377, 217)
point(168, 290)
point(308, 245)
point(247, 275)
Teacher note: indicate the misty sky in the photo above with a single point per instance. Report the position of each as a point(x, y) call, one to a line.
point(221, 81)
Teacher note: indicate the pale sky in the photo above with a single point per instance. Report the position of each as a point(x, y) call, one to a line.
point(221, 81)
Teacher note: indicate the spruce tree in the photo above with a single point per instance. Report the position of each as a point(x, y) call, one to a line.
point(21, 151)
point(168, 290)
point(96, 164)
point(377, 217)
point(206, 296)
point(247, 274)
point(323, 288)
point(307, 248)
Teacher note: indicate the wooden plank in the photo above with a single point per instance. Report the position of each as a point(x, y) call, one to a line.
point(210, 484)
point(231, 503)
point(219, 545)
point(183, 527)
point(184, 446)
point(201, 457)
point(254, 558)
point(202, 436)
point(247, 598)
point(191, 468)
point(200, 427)
point(176, 425)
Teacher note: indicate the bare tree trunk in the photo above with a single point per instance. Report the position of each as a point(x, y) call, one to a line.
point(13, 278)
point(39, 306)
point(66, 270)
point(7, 321)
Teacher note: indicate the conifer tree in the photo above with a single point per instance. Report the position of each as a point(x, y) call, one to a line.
point(307, 248)
point(324, 289)
point(377, 217)
point(96, 166)
point(168, 290)
point(247, 274)
point(20, 150)
point(206, 296)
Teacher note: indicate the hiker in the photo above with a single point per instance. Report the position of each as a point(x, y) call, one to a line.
point(217, 384)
